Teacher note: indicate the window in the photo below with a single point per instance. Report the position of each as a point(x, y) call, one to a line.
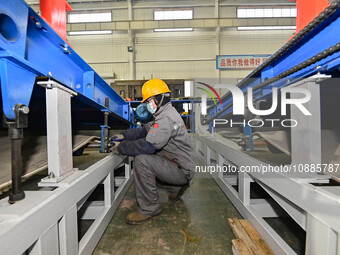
point(267, 12)
point(267, 28)
point(187, 29)
point(173, 14)
point(89, 17)
point(99, 32)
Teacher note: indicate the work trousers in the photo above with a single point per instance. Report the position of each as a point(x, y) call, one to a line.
point(150, 171)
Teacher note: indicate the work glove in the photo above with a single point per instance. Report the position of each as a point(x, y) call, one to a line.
point(117, 138)
point(114, 148)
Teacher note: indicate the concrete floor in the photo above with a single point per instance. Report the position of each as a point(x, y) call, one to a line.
point(202, 212)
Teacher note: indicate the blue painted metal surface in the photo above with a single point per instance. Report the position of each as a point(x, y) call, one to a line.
point(322, 37)
point(29, 48)
point(248, 133)
point(102, 138)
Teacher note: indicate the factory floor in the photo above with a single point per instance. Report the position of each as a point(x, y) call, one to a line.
point(196, 224)
point(201, 213)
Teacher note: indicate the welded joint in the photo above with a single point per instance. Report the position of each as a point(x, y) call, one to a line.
point(52, 84)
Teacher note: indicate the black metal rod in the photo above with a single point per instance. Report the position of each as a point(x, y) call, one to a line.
point(16, 140)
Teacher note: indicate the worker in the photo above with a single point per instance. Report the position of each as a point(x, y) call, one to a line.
point(163, 155)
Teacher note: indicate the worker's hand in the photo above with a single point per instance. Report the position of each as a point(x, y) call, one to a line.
point(114, 148)
point(117, 138)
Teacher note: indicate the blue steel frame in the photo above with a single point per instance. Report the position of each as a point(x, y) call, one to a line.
point(322, 37)
point(30, 48)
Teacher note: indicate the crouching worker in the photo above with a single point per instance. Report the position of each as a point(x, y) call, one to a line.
point(163, 153)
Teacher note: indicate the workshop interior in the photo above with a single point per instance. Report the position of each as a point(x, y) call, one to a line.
point(255, 83)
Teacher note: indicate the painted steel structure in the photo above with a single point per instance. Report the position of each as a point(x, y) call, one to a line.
point(29, 48)
point(315, 209)
point(46, 220)
point(308, 197)
point(315, 49)
point(307, 61)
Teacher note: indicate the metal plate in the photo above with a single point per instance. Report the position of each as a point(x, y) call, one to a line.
point(34, 155)
point(279, 139)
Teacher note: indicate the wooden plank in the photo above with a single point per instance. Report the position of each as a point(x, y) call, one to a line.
point(239, 248)
point(240, 233)
point(255, 236)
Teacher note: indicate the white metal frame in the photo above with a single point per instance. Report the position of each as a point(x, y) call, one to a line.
point(315, 208)
point(59, 131)
point(45, 222)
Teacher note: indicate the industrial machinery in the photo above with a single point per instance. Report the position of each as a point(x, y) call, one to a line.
point(47, 88)
point(300, 183)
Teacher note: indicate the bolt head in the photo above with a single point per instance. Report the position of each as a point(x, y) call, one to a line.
point(25, 109)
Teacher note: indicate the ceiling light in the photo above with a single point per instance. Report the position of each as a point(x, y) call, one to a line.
point(267, 28)
point(173, 29)
point(102, 32)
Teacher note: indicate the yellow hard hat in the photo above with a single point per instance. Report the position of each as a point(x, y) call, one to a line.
point(154, 87)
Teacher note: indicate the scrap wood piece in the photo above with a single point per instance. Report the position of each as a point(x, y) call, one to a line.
point(255, 236)
point(240, 233)
point(239, 247)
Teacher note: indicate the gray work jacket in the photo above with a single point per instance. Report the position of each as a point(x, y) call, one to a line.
point(168, 135)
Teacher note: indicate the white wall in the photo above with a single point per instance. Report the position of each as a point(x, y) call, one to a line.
point(175, 55)
point(166, 55)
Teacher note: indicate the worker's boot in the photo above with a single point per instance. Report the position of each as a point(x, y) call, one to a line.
point(135, 218)
point(177, 195)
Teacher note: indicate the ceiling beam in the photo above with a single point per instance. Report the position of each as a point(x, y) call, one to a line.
point(195, 23)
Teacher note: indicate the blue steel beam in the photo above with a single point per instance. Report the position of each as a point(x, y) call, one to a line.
point(30, 48)
point(324, 35)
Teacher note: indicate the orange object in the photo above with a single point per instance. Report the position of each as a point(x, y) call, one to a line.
point(54, 13)
point(307, 10)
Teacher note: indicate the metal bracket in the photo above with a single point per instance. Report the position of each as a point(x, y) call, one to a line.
point(59, 132)
point(306, 137)
point(52, 84)
point(104, 141)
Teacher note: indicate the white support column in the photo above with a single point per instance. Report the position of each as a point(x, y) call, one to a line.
point(132, 64)
point(109, 189)
point(130, 10)
point(208, 156)
point(217, 11)
point(128, 168)
point(218, 44)
point(47, 243)
point(59, 131)
point(306, 136)
point(218, 31)
point(221, 164)
point(244, 181)
point(68, 232)
point(320, 239)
